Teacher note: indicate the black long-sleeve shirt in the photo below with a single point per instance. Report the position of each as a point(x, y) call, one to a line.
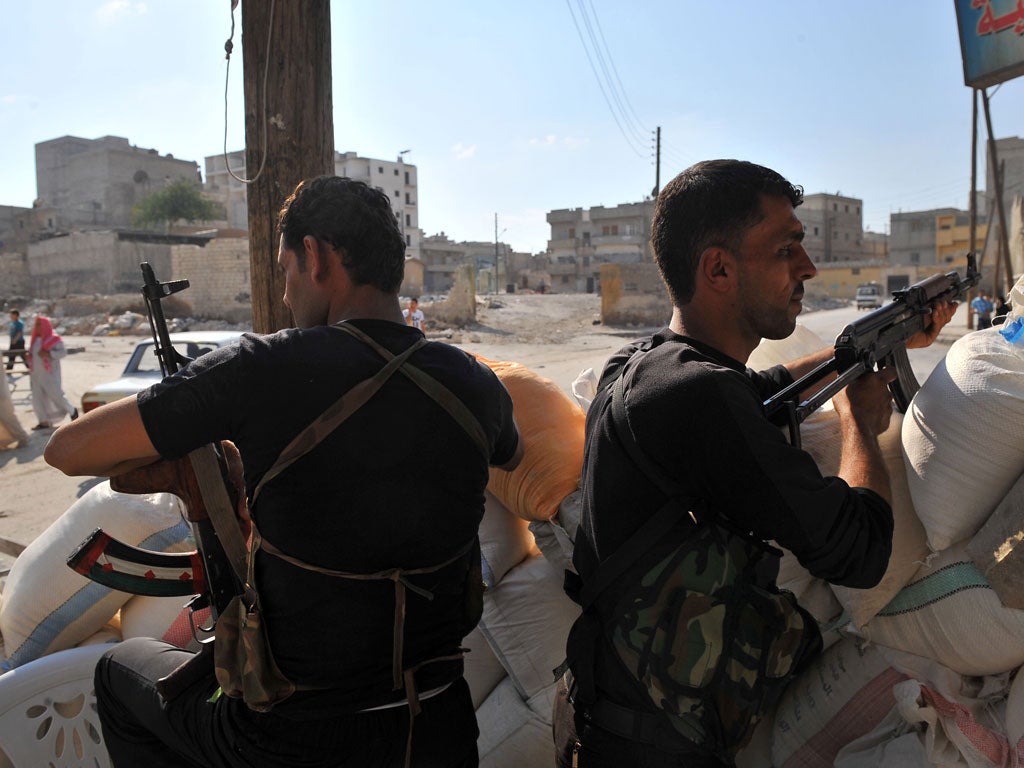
point(698, 415)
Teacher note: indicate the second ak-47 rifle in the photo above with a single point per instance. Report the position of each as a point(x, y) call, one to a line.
point(876, 340)
point(203, 481)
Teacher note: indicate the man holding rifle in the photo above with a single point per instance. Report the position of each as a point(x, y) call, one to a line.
point(729, 246)
point(365, 602)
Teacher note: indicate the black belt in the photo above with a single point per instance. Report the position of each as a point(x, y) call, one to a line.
point(642, 727)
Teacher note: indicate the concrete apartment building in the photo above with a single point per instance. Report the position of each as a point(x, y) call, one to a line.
point(397, 179)
point(496, 265)
point(95, 183)
point(584, 238)
point(834, 227)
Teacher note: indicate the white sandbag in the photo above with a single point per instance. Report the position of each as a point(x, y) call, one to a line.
point(954, 734)
point(48, 607)
point(505, 541)
point(813, 593)
point(556, 538)
point(107, 634)
point(949, 613)
point(957, 470)
point(909, 541)
point(526, 621)
point(888, 745)
point(482, 671)
point(1015, 713)
point(584, 387)
point(512, 735)
point(843, 695)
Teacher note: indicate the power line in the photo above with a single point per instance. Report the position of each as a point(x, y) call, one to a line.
point(638, 134)
point(600, 83)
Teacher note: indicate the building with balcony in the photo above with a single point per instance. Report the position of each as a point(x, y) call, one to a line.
point(397, 179)
point(584, 238)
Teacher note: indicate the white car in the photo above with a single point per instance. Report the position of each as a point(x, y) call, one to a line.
point(143, 367)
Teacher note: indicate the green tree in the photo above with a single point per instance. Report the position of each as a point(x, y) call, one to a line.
point(181, 199)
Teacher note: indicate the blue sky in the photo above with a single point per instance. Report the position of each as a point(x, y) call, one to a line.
point(502, 110)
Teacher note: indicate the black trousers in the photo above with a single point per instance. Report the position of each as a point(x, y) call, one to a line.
point(579, 744)
point(11, 359)
point(141, 729)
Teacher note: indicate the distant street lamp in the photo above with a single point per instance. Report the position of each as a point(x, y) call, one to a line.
point(497, 271)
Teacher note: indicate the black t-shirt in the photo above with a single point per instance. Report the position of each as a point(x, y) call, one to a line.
point(698, 415)
point(399, 484)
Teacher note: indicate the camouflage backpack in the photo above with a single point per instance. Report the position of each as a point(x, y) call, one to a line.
point(689, 615)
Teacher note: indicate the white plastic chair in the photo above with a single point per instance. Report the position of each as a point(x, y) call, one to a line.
point(48, 712)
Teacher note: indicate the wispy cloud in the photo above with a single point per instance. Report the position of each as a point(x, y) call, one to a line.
point(8, 99)
point(112, 10)
point(462, 152)
point(551, 140)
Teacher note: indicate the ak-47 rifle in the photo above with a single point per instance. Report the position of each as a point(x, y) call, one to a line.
point(876, 340)
point(213, 574)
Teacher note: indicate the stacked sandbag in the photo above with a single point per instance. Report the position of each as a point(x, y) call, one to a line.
point(48, 607)
point(526, 620)
point(949, 613)
point(964, 436)
point(551, 431)
point(519, 641)
point(843, 695)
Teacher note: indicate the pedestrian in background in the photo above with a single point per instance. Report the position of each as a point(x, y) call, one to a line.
point(45, 350)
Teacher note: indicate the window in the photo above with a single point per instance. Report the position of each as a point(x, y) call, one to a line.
point(397, 193)
point(915, 258)
point(396, 171)
point(408, 200)
point(835, 207)
point(380, 169)
point(815, 231)
point(408, 220)
point(572, 232)
point(615, 229)
point(565, 279)
point(606, 230)
point(408, 239)
point(406, 177)
point(846, 208)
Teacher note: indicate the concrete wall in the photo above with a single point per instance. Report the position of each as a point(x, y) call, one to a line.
point(459, 309)
point(634, 294)
point(92, 262)
point(219, 278)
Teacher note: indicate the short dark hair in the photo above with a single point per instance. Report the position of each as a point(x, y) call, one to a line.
point(353, 218)
point(15, 312)
point(711, 203)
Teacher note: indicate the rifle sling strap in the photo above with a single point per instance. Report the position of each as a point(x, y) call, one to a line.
point(206, 467)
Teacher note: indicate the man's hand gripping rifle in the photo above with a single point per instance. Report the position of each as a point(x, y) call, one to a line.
point(208, 481)
point(874, 341)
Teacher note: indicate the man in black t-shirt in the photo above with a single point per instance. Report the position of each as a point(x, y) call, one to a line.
point(729, 247)
point(357, 503)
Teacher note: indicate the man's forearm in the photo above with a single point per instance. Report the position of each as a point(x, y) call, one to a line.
point(861, 464)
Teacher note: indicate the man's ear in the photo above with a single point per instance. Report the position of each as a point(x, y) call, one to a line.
point(716, 268)
point(318, 256)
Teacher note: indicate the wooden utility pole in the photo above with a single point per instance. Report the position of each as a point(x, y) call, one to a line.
point(289, 128)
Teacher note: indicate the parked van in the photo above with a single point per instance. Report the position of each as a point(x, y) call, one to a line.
point(869, 296)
